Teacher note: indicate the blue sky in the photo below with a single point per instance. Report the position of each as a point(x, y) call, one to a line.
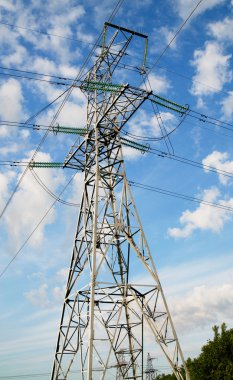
point(191, 243)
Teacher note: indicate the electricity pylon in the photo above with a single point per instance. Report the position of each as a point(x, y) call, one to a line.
point(108, 310)
point(150, 371)
point(121, 365)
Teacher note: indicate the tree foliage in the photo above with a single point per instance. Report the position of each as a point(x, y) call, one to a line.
point(215, 361)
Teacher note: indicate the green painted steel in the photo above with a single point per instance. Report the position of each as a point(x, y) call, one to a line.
point(37, 164)
point(145, 53)
point(83, 131)
point(70, 130)
point(171, 102)
point(124, 141)
point(135, 145)
point(101, 86)
point(169, 107)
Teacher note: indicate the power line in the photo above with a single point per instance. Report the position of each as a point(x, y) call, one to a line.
point(18, 124)
point(201, 117)
point(212, 130)
point(146, 75)
point(26, 376)
point(35, 228)
point(35, 79)
point(33, 156)
point(67, 93)
point(48, 191)
point(31, 375)
point(67, 83)
point(191, 113)
point(187, 161)
point(41, 127)
point(35, 152)
point(35, 73)
point(174, 36)
point(158, 153)
point(122, 65)
point(196, 115)
point(166, 137)
point(45, 33)
point(163, 191)
point(116, 9)
point(193, 80)
point(179, 195)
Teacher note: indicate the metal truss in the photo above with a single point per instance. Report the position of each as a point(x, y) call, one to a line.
point(108, 310)
point(150, 371)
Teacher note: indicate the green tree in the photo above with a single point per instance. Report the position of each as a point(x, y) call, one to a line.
point(215, 361)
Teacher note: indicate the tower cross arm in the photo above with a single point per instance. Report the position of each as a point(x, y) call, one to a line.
point(110, 122)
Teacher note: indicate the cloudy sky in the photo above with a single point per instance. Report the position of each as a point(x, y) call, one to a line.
point(191, 243)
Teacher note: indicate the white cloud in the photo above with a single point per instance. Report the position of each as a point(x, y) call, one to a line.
point(49, 295)
point(73, 111)
point(84, 36)
point(221, 29)
point(159, 84)
point(102, 11)
point(4, 131)
point(24, 134)
point(38, 297)
point(48, 65)
point(227, 106)
point(43, 297)
point(185, 7)
point(58, 294)
point(5, 180)
point(130, 153)
point(68, 71)
point(7, 131)
point(11, 148)
point(219, 160)
point(212, 67)
point(168, 35)
point(72, 15)
point(145, 124)
point(62, 274)
point(11, 100)
point(204, 305)
point(204, 217)
point(77, 188)
point(196, 273)
point(30, 203)
point(54, 19)
point(7, 5)
point(16, 58)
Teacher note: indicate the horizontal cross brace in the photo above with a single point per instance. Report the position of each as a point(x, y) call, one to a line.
point(125, 30)
point(126, 142)
point(110, 87)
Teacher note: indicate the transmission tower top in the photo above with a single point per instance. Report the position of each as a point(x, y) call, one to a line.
point(126, 31)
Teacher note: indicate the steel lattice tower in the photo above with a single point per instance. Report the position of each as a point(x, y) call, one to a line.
point(122, 364)
point(150, 371)
point(106, 311)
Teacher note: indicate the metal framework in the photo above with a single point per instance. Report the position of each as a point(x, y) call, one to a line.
point(150, 371)
point(107, 311)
